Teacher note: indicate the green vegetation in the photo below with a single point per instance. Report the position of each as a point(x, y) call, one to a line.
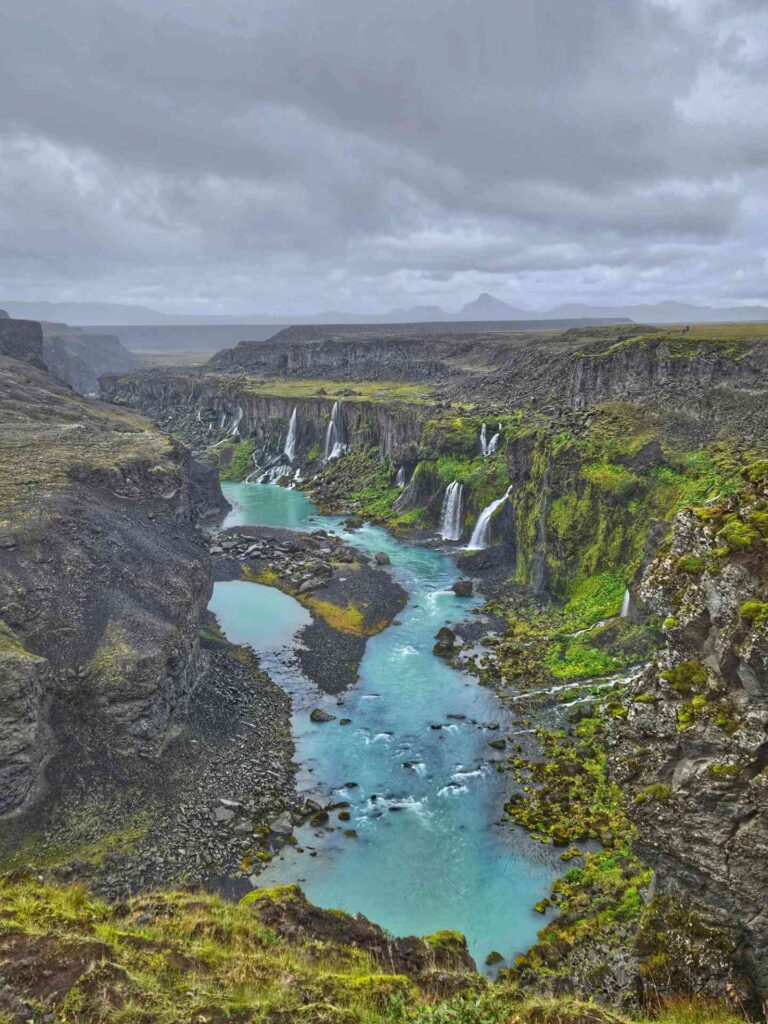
point(241, 461)
point(754, 612)
point(350, 391)
point(191, 958)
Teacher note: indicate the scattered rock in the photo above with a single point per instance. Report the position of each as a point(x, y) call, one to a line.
point(494, 958)
point(382, 558)
point(281, 826)
point(319, 715)
point(462, 588)
point(499, 744)
point(446, 641)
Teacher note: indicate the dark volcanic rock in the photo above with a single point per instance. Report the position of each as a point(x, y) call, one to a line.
point(319, 715)
point(445, 641)
point(693, 750)
point(462, 588)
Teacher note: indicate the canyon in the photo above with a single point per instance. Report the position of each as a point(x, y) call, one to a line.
point(603, 488)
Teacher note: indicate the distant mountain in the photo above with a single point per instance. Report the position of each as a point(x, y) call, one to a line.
point(484, 307)
point(488, 307)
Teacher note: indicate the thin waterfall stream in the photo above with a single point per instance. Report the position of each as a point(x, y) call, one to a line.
point(413, 769)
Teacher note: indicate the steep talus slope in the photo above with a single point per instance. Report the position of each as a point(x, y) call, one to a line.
point(692, 752)
point(102, 576)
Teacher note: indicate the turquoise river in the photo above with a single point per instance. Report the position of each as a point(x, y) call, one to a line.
point(428, 854)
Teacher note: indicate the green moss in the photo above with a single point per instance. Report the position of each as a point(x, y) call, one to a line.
point(690, 563)
point(738, 536)
point(657, 792)
point(754, 612)
point(688, 677)
point(670, 622)
point(11, 645)
point(115, 656)
point(724, 770)
point(241, 463)
point(596, 597)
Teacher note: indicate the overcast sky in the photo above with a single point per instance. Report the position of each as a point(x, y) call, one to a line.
point(294, 155)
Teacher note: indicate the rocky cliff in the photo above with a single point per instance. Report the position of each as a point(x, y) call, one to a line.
point(692, 752)
point(413, 352)
point(208, 407)
point(22, 340)
point(80, 358)
point(103, 577)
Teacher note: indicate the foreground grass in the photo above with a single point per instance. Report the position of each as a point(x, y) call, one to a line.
point(175, 958)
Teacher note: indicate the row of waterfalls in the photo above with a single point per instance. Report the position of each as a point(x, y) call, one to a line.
point(452, 517)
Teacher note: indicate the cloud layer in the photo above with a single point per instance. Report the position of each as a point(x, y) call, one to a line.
point(286, 154)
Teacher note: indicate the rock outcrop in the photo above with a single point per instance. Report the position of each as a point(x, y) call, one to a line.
point(103, 576)
point(22, 340)
point(692, 752)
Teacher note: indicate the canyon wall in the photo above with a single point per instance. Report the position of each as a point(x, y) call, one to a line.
point(103, 575)
point(195, 403)
point(692, 752)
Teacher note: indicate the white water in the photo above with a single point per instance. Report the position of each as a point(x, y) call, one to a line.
point(451, 524)
point(289, 449)
point(235, 429)
point(334, 435)
point(483, 442)
point(400, 478)
point(481, 535)
point(493, 444)
point(625, 604)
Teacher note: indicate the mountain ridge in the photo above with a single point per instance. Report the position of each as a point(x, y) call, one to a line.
point(484, 307)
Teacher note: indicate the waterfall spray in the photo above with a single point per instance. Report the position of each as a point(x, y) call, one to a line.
point(483, 443)
point(451, 516)
point(235, 429)
point(289, 450)
point(334, 435)
point(481, 535)
point(400, 478)
point(625, 604)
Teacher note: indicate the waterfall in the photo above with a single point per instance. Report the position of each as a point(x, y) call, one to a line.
point(334, 435)
point(223, 421)
point(235, 429)
point(400, 478)
point(289, 450)
point(481, 535)
point(493, 444)
point(625, 604)
point(483, 442)
point(451, 517)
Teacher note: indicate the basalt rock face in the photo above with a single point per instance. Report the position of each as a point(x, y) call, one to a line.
point(103, 577)
point(703, 376)
point(206, 405)
point(692, 752)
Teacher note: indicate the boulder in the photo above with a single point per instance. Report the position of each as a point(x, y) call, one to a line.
point(462, 588)
point(319, 715)
point(382, 558)
point(445, 641)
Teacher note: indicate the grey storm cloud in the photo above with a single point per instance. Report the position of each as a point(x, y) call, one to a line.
point(290, 154)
